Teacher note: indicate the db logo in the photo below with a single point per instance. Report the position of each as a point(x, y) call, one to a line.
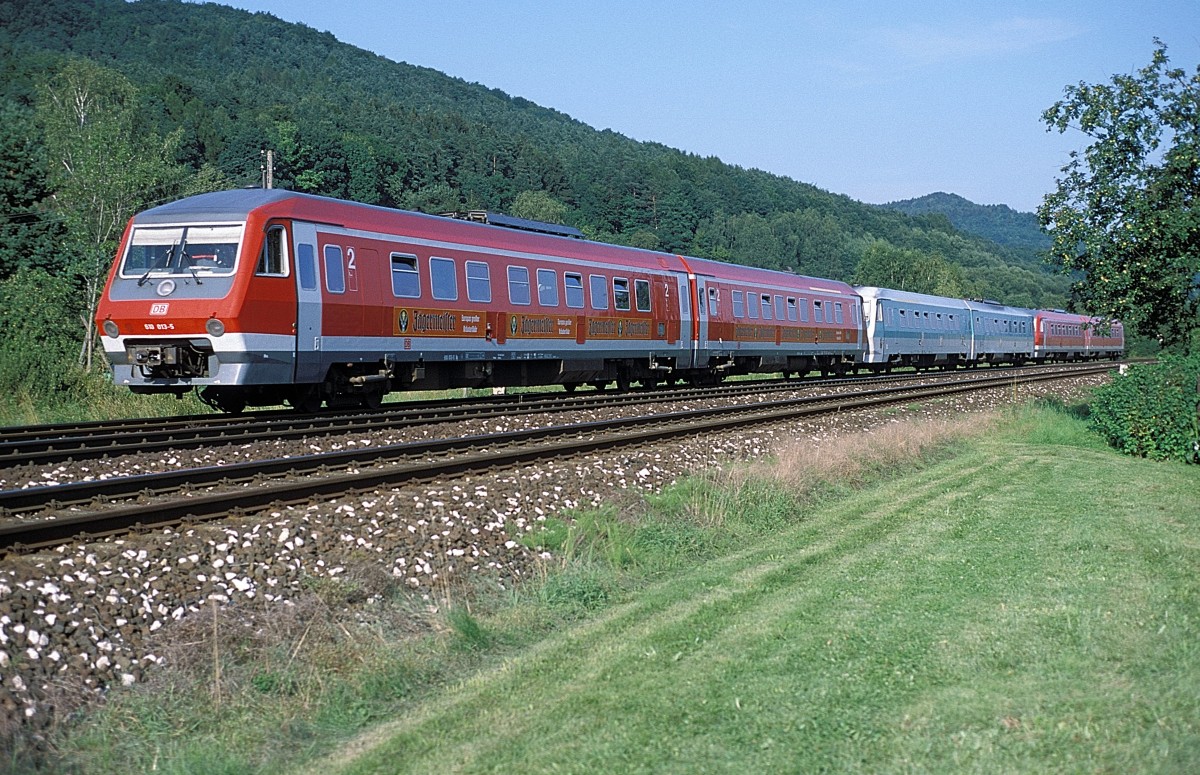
point(159, 309)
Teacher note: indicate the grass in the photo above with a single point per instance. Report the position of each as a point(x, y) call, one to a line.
point(1014, 608)
point(998, 602)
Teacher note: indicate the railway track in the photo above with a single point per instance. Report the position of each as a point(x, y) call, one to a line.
point(48, 444)
point(39, 517)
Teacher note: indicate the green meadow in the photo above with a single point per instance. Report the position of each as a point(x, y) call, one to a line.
point(1006, 595)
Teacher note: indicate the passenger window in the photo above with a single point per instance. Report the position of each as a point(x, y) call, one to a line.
point(621, 293)
point(574, 286)
point(791, 309)
point(335, 271)
point(779, 313)
point(819, 315)
point(837, 312)
point(752, 305)
point(547, 280)
point(518, 285)
point(273, 260)
point(739, 304)
point(641, 292)
point(599, 285)
point(479, 282)
point(406, 283)
point(803, 305)
point(766, 307)
point(714, 302)
point(307, 266)
point(441, 277)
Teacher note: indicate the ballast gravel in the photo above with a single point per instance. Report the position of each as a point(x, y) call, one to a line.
point(79, 620)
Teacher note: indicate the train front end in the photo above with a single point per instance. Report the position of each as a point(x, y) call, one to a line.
point(174, 314)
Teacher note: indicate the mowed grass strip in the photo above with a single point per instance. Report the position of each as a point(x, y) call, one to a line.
point(1032, 604)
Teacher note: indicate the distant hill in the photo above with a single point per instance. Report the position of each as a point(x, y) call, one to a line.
point(347, 123)
point(999, 223)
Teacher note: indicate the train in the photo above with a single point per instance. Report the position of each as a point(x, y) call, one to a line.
point(264, 297)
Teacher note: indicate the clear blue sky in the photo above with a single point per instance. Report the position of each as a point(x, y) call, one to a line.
point(876, 100)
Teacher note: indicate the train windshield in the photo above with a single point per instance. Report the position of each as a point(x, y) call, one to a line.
point(190, 251)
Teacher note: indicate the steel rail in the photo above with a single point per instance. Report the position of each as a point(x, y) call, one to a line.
point(44, 445)
point(476, 453)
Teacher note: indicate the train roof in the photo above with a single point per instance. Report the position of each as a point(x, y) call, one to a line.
point(231, 205)
point(907, 297)
point(772, 277)
point(987, 305)
point(237, 204)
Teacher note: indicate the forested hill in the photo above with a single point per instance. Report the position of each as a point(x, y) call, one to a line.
point(215, 85)
point(998, 223)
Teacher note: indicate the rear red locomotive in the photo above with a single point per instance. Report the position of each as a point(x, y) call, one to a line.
point(1066, 336)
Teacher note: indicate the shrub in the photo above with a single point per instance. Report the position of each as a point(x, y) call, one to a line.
point(1151, 410)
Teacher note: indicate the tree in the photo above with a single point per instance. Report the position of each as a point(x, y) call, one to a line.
point(29, 232)
point(1127, 211)
point(887, 266)
point(539, 206)
point(102, 169)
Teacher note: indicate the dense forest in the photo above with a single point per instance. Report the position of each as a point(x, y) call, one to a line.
point(108, 106)
point(999, 223)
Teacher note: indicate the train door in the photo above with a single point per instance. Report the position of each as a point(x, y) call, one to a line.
point(308, 307)
point(700, 348)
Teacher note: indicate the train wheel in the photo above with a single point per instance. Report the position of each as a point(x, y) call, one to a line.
point(372, 399)
point(570, 387)
point(223, 400)
point(306, 399)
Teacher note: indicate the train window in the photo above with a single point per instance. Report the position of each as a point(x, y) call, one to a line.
point(766, 307)
point(837, 312)
point(518, 285)
point(803, 305)
point(335, 270)
point(406, 283)
point(819, 315)
point(621, 293)
point(574, 285)
point(442, 279)
point(791, 309)
point(479, 281)
point(547, 280)
point(752, 305)
point(739, 304)
point(307, 266)
point(273, 260)
point(641, 296)
point(779, 313)
point(599, 286)
point(189, 251)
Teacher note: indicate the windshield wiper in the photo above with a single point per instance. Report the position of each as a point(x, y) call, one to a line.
point(158, 265)
point(184, 255)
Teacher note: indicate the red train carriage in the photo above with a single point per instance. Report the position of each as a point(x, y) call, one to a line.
point(1105, 340)
point(1065, 336)
point(260, 297)
point(758, 320)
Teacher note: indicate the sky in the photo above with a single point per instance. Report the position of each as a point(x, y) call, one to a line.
point(877, 100)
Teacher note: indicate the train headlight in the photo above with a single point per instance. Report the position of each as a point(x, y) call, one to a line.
point(110, 328)
point(214, 327)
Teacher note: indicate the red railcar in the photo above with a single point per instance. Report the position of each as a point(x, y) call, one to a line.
point(1066, 336)
point(265, 296)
